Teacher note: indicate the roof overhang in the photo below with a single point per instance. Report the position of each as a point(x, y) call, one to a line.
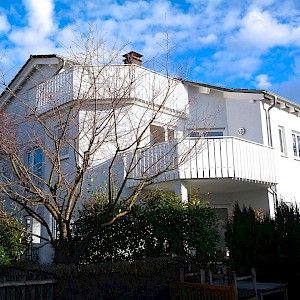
point(28, 68)
point(256, 95)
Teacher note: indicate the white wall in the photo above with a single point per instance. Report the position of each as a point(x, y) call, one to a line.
point(206, 111)
point(216, 109)
point(244, 113)
point(288, 166)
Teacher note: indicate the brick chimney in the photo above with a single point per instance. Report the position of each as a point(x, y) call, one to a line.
point(133, 58)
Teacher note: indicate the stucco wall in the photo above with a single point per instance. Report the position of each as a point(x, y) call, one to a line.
point(288, 165)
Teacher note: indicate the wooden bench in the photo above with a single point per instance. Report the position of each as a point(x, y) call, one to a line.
point(196, 291)
point(186, 290)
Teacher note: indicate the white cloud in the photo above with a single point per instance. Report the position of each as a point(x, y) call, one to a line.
point(4, 24)
point(260, 31)
point(41, 26)
point(207, 40)
point(262, 81)
point(40, 14)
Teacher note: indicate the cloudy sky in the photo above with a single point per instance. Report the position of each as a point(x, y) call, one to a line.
point(233, 43)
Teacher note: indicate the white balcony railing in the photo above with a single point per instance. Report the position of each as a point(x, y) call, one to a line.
point(112, 82)
point(55, 92)
point(226, 157)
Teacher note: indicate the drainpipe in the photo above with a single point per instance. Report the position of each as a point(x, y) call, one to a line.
point(63, 65)
point(268, 121)
point(271, 189)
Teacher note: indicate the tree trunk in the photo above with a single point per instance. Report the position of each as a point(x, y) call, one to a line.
point(65, 252)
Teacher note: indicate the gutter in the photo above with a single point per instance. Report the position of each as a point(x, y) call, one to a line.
point(62, 66)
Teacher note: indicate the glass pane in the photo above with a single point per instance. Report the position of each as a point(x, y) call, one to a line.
point(38, 162)
point(157, 134)
point(281, 140)
point(170, 134)
point(298, 145)
point(195, 134)
point(213, 133)
point(30, 159)
point(294, 144)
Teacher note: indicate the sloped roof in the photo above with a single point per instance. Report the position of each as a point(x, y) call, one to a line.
point(22, 74)
point(267, 94)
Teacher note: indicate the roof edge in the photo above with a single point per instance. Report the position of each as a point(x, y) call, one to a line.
point(31, 58)
point(249, 91)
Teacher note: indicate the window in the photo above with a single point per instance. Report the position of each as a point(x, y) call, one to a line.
point(157, 134)
point(282, 140)
point(33, 226)
point(35, 162)
point(201, 133)
point(54, 228)
point(28, 224)
point(64, 148)
point(296, 144)
point(171, 135)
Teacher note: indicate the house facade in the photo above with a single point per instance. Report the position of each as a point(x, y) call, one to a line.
point(223, 145)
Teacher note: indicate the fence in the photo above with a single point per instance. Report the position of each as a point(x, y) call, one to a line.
point(25, 285)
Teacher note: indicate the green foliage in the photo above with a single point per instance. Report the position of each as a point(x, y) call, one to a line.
point(272, 246)
point(160, 225)
point(13, 242)
point(287, 236)
point(248, 237)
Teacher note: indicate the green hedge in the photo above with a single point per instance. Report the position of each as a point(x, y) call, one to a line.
point(272, 246)
point(160, 225)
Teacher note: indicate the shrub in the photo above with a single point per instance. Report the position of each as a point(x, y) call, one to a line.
point(13, 242)
point(160, 225)
point(272, 246)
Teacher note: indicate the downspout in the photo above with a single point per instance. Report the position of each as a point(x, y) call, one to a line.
point(271, 189)
point(62, 66)
point(268, 121)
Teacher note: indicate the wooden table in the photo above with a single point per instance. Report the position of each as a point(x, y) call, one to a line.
point(264, 288)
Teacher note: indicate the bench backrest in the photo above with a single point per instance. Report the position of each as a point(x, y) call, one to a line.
point(195, 291)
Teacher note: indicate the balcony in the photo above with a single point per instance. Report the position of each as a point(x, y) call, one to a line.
point(214, 160)
point(130, 83)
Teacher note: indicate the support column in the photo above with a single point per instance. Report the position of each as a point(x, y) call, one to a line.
point(272, 197)
point(181, 190)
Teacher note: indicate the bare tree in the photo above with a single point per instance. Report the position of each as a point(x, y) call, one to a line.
point(95, 124)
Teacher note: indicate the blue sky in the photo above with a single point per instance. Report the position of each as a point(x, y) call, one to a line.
point(233, 43)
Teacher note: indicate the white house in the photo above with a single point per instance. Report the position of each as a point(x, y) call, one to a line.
point(236, 145)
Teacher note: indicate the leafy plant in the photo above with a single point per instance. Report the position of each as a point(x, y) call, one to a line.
point(13, 242)
point(272, 246)
point(160, 225)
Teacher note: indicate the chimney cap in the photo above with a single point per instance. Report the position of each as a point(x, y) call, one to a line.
point(133, 53)
point(133, 57)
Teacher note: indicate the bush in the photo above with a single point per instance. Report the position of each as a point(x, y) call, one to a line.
point(13, 242)
point(272, 246)
point(249, 236)
point(160, 225)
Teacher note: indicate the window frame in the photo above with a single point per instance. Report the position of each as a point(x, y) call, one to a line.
point(206, 133)
point(35, 166)
point(282, 140)
point(296, 144)
point(64, 152)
